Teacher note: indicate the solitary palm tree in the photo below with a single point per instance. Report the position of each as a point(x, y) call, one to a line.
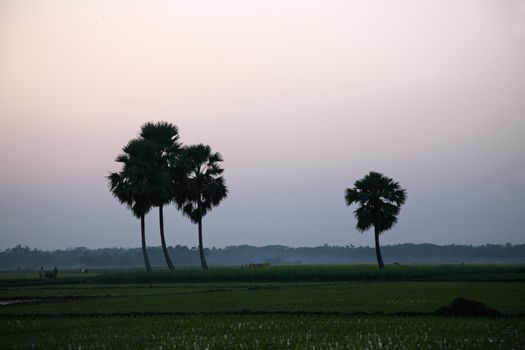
point(204, 187)
point(167, 153)
point(379, 199)
point(133, 185)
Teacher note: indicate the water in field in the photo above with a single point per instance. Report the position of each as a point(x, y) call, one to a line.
point(17, 301)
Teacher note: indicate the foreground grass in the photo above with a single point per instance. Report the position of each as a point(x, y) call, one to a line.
point(263, 332)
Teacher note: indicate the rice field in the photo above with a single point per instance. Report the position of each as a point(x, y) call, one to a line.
point(316, 273)
point(284, 273)
point(127, 310)
point(262, 332)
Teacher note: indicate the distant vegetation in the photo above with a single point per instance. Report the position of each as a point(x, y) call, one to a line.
point(26, 258)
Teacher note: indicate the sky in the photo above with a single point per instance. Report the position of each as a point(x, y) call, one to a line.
point(301, 97)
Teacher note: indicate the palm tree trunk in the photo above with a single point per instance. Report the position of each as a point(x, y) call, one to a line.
point(163, 240)
point(201, 249)
point(378, 250)
point(144, 251)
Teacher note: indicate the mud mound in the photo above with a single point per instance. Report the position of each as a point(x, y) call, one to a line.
point(465, 307)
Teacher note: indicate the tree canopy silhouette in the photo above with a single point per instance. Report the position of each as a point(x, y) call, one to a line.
point(157, 170)
point(205, 188)
point(134, 184)
point(166, 156)
point(379, 199)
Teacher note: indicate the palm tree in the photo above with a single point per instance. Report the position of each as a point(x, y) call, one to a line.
point(205, 188)
point(133, 185)
point(168, 150)
point(379, 199)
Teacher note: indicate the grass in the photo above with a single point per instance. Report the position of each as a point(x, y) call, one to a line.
point(316, 273)
point(279, 307)
point(259, 332)
point(369, 297)
point(286, 273)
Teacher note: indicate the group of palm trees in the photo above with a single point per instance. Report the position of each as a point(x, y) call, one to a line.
point(157, 170)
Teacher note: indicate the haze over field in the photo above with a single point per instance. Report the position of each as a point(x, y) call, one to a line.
point(302, 98)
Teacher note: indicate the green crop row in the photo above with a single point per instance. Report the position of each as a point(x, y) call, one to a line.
point(370, 297)
point(283, 273)
point(303, 273)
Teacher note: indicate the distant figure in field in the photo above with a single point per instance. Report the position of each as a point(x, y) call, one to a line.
point(84, 270)
point(41, 272)
point(51, 274)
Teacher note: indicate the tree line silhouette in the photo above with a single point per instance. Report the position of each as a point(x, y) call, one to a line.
point(27, 258)
point(157, 170)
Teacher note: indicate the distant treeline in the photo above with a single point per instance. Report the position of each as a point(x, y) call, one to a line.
point(24, 258)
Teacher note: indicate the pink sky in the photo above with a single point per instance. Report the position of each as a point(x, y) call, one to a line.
point(301, 97)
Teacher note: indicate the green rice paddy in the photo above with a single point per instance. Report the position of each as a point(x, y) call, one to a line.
point(266, 308)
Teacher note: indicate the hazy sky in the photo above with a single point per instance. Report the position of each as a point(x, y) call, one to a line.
point(302, 98)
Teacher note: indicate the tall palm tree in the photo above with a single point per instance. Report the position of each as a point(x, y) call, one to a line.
point(133, 185)
point(379, 199)
point(205, 187)
point(167, 153)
